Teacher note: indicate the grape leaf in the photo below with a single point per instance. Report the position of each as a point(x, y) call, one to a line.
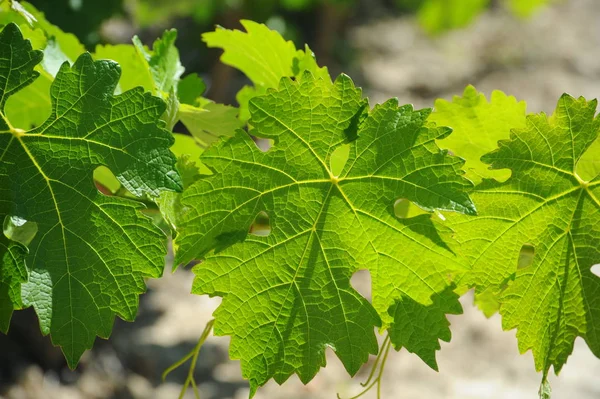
point(188, 151)
point(43, 31)
point(546, 208)
point(18, 233)
point(190, 88)
point(30, 107)
point(209, 122)
point(589, 163)
point(12, 274)
point(287, 295)
point(17, 7)
point(91, 253)
point(260, 53)
point(169, 202)
point(264, 56)
point(477, 126)
point(136, 71)
point(159, 71)
point(163, 61)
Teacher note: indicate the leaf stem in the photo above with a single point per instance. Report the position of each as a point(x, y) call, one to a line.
point(193, 354)
point(383, 354)
point(374, 368)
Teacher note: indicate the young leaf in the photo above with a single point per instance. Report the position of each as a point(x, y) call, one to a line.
point(135, 69)
point(91, 254)
point(547, 212)
point(163, 61)
point(477, 126)
point(287, 296)
point(209, 122)
point(264, 56)
point(260, 53)
point(190, 88)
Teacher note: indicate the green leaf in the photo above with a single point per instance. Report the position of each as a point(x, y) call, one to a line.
point(163, 61)
point(210, 122)
point(287, 296)
point(477, 127)
point(12, 274)
point(30, 107)
point(260, 53)
point(187, 145)
point(68, 43)
point(91, 254)
point(243, 98)
point(190, 88)
point(544, 208)
point(188, 152)
point(169, 202)
point(17, 7)
point(264, 56)
point(437, 16)
point(589, 163)
point(136, 71)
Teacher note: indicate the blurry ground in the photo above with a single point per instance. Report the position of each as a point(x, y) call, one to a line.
point(537, 61)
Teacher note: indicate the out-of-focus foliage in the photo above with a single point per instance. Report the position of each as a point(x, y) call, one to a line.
point(440, 15)
point(435, 16)
point(81, 17)
point(149, 12)
point(292, 17)
point(524, 8)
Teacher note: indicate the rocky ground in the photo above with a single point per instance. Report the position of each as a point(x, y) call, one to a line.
point(535, 60)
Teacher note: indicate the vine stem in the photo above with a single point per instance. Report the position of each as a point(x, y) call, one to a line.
point(193, 354)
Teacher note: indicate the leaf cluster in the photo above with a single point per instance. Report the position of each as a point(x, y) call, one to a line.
point(284, 199)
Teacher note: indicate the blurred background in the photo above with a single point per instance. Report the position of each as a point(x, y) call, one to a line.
point(416, 50)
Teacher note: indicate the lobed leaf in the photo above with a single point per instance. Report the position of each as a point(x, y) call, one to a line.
point(264, 56)
point(77, 280)
point(287, 296)
point(547, 209)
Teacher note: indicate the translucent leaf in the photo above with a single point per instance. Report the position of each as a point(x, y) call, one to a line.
point(264, 56)
point(477, 127)
point(287, 295)
point(208, 123)
point(536, 237)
